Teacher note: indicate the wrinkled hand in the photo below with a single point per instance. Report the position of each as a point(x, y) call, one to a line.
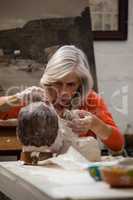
point(82, 121)
point(32, 94)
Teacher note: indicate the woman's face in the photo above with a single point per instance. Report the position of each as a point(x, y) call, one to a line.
point(62, 91)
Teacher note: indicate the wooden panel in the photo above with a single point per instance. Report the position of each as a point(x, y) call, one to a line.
point(8, 139)
point(33, 39)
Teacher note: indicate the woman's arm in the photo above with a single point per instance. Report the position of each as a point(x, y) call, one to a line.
point(9, 109)
point(115, 139)
point(95, 118)
point(11, 105)
point(7, 102)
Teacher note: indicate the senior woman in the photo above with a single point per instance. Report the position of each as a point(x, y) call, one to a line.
point(67, 84)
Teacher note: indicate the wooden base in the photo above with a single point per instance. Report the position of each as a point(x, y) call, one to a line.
point(29, 160)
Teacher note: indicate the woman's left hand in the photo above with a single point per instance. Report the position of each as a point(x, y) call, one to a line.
point(82, 121)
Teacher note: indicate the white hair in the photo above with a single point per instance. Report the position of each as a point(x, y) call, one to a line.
point(66, 59)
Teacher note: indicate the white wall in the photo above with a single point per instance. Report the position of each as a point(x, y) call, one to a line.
point(114, 64)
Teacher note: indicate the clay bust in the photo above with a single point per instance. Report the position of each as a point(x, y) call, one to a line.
point(37, 127)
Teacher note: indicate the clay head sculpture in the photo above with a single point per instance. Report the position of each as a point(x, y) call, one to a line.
point(37, 128)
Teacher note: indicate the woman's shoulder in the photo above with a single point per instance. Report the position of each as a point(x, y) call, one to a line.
point(93, 102)
point(92, 94)
point(93, 99)
point(10, 114)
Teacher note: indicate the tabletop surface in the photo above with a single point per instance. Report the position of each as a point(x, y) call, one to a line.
point(38, 182)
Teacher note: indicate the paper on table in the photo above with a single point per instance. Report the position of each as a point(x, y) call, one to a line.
point(71, 160)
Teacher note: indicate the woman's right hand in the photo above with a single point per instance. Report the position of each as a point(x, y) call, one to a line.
point(32, 94)
point(27, 96)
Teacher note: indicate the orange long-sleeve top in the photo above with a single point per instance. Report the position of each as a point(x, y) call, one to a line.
point(95, 105)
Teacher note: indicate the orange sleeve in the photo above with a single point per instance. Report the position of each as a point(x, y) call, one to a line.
point(11, 113)
point(97, 106)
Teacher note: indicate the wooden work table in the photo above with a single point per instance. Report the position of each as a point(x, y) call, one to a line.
point(9, 144)
point(21, 182)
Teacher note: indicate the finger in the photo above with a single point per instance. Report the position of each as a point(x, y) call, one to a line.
point(76, 130)
point(73, 126)
point(76, 124)
point(85, 120)
point(82, 113)
point(78, 113)
point(78, 127)
point(69, 124)
point(79, 122)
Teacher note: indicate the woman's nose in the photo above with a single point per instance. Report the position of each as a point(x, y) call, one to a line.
point(64, 90)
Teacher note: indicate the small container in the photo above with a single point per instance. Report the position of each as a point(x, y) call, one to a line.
point(95, 172)
point(95, 169)
point(120, 175)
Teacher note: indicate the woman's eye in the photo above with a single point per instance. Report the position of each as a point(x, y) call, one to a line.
point(71, 84)
point(57, 84)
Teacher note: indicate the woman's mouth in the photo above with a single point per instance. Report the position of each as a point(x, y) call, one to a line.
point(63, 102)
